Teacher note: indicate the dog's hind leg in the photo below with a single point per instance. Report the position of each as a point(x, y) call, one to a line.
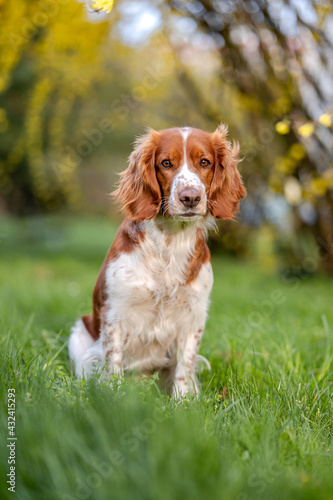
point(113, 343)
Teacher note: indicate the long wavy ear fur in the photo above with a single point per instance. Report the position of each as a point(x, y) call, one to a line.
point(227, 188)
point(139, 192)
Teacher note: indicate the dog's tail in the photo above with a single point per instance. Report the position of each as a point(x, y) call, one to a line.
point(85, 353)
point(203, 360)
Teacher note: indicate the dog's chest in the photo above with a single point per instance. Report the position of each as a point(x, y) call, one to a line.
point(148, 293)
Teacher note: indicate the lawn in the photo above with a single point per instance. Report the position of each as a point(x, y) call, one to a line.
point(261, 429)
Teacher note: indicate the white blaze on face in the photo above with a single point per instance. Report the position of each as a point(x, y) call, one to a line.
point(186, 179)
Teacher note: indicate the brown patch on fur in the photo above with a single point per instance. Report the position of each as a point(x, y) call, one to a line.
point(201, 255)
point(227, 188)
point(199, 332)
point(93, 321)
point(139, 192)
point(88, 322)
point(129, 235)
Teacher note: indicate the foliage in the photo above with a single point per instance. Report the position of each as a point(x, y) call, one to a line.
point(262, 427)
point(74, 98)
point(102, 5)
point(274, 58)
point(51, 58)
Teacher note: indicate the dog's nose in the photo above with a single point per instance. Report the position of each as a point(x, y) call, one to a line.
point(189, 197)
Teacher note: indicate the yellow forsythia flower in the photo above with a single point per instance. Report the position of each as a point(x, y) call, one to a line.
point(282, 127)
point(319, 187)
point(306, 130)
point(103, 5)
point(325, 120)
point(297, 151)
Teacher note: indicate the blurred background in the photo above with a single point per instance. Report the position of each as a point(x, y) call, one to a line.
point(77, 87)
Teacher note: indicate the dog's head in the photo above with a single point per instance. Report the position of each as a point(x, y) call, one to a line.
point(182, 173)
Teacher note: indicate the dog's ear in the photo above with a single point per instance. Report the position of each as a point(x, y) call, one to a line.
point(227, 188)
point(139, 192)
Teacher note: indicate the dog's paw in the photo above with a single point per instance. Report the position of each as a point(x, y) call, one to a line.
point(184, 386)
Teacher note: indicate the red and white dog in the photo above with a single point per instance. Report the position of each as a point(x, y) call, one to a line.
point(152, 294)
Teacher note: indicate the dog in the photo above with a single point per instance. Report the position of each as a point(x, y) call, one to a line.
point(151, 298)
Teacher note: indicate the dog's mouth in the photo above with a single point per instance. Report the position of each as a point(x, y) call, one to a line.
point(188, 216)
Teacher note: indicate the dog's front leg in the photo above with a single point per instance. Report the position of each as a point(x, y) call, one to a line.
point(113, 346)
point(185, 379)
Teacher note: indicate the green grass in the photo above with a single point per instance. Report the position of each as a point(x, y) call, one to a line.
point(262, 428)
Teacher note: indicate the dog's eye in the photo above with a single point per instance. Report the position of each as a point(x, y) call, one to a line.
point(166, 164)
point(204, 163)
